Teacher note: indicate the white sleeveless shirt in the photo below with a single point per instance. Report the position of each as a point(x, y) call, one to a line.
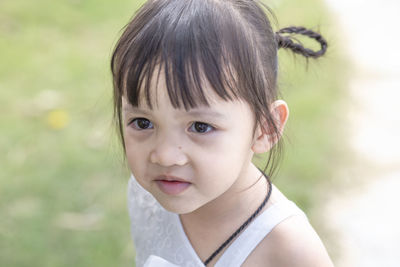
point(160, 240)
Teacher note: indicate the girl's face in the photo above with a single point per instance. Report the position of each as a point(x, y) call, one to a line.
point(187, 159)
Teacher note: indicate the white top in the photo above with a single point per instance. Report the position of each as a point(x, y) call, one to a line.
point(160, 240)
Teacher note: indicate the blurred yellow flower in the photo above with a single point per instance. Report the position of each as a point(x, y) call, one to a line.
point(57, 119)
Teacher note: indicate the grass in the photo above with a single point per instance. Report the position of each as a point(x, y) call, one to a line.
point(62, 181)
point(313, 91)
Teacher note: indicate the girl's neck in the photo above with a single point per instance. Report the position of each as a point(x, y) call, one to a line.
point(234, 206)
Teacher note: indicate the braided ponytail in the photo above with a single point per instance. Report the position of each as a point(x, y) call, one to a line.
point(287, 42)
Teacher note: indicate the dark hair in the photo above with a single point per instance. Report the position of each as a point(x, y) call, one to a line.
point(229, 44)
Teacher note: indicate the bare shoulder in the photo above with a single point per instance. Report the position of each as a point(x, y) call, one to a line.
point(293, 243)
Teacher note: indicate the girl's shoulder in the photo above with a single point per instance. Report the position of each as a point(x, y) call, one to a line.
point(293, 242)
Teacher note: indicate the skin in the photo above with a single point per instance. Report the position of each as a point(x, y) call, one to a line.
point(225, 187)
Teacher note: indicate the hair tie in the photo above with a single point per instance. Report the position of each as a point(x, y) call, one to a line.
point(297, 47)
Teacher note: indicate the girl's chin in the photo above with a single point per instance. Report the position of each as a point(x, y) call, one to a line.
point(178, 210)
point(178, 207)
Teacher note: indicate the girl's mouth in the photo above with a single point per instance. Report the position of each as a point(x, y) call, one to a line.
point(172, 187)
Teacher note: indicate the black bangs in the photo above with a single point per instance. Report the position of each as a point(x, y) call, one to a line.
point(192, 46)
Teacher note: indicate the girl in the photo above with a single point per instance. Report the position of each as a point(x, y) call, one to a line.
point(195, 95)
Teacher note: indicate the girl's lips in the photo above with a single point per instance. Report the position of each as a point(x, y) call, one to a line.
point(172, 187)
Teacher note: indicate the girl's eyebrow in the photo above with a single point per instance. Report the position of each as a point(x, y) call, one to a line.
point(208, 113)
point(193, 113)
point(129, 108)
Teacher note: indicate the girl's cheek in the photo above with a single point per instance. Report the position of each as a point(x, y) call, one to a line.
point(213, 143)
point(208, 139)
point(135, 136)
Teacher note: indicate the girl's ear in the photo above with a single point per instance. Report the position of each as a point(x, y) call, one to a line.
point(265, 137)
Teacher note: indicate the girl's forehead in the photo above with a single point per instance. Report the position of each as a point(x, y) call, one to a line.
point(157, 92)
point(160, 100)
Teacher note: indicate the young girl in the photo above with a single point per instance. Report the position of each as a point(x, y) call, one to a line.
point(195, 98)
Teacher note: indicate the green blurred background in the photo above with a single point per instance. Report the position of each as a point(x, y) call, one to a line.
point(63, 180)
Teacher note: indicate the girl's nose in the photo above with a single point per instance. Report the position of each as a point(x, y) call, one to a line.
point(168, 153)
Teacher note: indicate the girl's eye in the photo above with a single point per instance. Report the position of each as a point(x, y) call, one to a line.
point(201, 127)
point(141, 124)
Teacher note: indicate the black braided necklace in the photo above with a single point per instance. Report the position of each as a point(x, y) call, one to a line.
point(244, 224)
